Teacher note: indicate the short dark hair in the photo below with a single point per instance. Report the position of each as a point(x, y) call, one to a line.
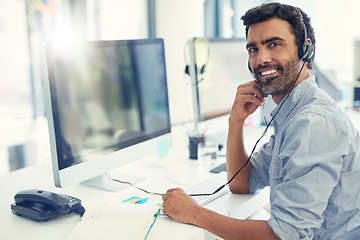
point(293, 15)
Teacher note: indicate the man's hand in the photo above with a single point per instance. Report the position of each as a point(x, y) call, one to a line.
point(180, 206)
point(248, 98)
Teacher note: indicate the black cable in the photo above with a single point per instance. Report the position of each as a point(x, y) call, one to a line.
point(263, 134)
point(247, 161)
point(129, 183)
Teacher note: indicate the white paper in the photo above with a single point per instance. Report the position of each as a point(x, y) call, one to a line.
point(116, 220)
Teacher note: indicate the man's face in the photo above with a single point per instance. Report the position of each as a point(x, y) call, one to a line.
point(272, 51)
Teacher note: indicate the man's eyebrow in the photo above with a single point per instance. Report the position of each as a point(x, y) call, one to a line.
point(249, 45)
point(252, 44)
point(271, 40)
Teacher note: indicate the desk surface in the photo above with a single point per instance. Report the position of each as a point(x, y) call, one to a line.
point(174, 170)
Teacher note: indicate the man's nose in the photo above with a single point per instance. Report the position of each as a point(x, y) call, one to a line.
point(263, 57)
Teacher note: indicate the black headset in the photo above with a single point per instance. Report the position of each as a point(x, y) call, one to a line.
point(305, 52)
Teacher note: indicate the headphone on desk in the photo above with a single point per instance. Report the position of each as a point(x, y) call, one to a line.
point(195, 41)
point(305, 49)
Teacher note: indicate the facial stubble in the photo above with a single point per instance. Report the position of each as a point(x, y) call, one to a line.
point(280, 84)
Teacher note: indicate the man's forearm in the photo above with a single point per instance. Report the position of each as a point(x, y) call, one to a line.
point(236, 157)
point(230, 228)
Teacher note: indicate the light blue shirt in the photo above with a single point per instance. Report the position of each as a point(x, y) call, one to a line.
point(312, 165)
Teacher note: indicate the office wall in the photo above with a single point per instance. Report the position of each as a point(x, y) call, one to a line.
point(14, 67)
point(15, 97)
point(119, 22)
point(177, 22)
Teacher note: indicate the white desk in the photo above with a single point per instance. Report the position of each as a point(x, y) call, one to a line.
point(161, 174)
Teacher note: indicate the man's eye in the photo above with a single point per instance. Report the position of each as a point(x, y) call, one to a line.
point(252, 50)
point(274, 44)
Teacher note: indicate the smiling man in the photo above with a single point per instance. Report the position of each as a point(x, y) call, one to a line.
point(311, 163)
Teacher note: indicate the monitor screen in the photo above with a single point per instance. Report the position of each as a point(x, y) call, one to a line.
point(225, 70)
point(106, 100)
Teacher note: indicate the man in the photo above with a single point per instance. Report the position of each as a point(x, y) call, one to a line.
point(311, 163)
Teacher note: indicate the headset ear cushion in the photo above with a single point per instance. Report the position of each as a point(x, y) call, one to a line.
point(203, 69)
point(308, 52)
point(187, 70)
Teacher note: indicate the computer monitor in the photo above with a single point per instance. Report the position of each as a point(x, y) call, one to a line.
point(107, 105)
point(225, 70)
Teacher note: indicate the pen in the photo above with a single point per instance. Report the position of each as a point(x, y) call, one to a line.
point(156, 215)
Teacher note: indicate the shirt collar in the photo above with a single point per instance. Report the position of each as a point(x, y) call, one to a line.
point(295, 95)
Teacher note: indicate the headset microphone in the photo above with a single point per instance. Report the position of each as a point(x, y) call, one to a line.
point(268, 79)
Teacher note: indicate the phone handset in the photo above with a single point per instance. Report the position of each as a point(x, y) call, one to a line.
point(41, 205)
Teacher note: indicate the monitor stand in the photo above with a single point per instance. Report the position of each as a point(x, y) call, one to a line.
point(113, 182)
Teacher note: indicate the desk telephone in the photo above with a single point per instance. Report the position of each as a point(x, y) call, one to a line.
point(41, 205)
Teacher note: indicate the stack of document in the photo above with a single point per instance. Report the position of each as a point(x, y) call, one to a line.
point(115, 220)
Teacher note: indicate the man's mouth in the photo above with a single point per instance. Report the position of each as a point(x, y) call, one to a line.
point(268, 73)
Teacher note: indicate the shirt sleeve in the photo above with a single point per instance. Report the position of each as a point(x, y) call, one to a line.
point(260, 162)
point(305, 174)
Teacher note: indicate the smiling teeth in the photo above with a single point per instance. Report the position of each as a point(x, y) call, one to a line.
point(268, 72)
